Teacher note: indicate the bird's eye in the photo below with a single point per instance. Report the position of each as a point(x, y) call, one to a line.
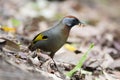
point(74, 20)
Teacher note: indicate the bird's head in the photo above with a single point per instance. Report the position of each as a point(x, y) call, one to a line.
point(71, 21)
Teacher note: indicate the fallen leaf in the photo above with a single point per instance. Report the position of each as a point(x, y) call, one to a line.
point(10, 45)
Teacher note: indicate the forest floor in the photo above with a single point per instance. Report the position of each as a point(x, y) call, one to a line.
point(21, 20)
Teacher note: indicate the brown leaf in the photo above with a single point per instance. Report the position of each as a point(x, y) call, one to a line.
point(10, 45)
point(2, 44)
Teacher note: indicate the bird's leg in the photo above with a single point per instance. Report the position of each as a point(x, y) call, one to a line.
point(52, 55)
point(55, 64)
point(61, 75)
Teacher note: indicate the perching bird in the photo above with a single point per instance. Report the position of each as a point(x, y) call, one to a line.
point(53, 39)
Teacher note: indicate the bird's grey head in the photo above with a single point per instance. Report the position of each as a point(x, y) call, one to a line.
point(70, 21)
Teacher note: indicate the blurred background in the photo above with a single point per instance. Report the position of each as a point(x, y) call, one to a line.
point(30, 15)
point(23, 19)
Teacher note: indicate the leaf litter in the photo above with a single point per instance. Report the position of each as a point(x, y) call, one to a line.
point(30, 18)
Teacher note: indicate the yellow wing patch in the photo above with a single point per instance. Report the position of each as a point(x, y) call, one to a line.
point(40, 37)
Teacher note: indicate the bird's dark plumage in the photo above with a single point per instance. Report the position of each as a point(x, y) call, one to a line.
point(53, 39)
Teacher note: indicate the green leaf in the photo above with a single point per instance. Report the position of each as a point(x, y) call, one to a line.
point(81, 61)
point(15, 22)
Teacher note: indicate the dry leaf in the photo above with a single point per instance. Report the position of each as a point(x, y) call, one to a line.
point(10, 45)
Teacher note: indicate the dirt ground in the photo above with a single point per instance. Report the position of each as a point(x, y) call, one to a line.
point(21, 20)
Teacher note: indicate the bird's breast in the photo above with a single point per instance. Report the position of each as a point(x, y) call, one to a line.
point(56, 39)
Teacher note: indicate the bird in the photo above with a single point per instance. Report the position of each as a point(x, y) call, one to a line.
point(54, 38)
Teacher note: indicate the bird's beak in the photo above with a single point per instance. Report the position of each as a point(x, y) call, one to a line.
point(81, 24)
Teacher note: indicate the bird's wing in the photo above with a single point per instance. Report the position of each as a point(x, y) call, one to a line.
point(39, 37)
